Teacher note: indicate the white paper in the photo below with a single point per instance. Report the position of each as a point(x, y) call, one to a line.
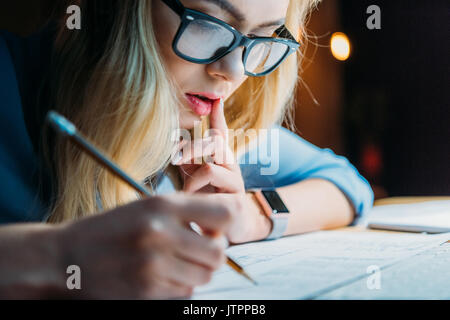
point(423, 276)
point(307, 266)
point(432, 216)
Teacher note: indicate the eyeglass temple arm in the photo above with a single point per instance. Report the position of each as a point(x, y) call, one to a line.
point(283, 32)
point(175, 5)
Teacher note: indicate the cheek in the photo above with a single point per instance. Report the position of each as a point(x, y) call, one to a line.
point(237, 84)
point(180, 71)
point(165, 24)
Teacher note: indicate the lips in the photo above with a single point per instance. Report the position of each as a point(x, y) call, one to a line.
point(201, 102)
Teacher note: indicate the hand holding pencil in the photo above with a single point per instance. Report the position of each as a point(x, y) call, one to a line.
point(66, 128)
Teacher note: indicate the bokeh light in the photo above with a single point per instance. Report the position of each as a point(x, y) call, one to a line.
point(340, 46)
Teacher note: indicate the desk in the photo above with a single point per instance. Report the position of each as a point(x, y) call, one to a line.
point(404, 200)
point(424, 276)
point(333, 264)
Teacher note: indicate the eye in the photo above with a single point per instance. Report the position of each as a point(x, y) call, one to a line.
point(262, 34)
point(266, 32)
point(204, 26)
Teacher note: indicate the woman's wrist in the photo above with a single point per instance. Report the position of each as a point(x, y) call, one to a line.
point(33, 266)
point(54, 276)
point(262, 225)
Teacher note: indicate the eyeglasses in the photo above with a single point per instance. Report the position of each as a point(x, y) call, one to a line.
point(203, 39)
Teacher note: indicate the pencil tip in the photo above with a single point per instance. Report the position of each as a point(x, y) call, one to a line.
point(250, 279)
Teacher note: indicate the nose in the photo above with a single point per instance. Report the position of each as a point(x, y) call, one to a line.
point(229, 68)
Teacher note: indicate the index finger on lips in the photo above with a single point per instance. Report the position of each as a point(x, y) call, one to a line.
point(217, 118)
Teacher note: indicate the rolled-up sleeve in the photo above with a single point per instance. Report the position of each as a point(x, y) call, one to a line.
point(282, 158)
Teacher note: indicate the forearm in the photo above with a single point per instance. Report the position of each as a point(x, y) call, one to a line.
point(30, 265)
point(314, 204)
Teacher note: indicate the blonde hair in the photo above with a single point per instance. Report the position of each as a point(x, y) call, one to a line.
point(111, 82)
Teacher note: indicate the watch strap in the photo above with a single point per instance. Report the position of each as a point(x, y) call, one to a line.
point(279, 220)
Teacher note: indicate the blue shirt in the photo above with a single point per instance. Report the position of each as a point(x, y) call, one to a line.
point(23, 62)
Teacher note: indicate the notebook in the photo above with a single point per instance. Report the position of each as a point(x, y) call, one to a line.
point(311, 265)
point(429, 217)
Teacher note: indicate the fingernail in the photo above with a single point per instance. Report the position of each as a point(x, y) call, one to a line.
point(225, 242)
point(222, 241)
point(177, 158)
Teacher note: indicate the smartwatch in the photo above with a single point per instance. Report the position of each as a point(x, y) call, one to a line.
point(275, 209)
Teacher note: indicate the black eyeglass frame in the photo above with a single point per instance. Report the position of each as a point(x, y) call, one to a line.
point(188, 15)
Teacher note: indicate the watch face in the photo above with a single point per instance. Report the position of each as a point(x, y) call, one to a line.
point(275, 201)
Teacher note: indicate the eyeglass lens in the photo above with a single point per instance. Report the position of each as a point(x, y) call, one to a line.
point(204, 40)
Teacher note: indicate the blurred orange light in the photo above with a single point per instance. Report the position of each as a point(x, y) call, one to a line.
point(340, 46)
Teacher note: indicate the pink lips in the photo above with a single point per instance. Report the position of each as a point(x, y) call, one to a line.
point(201, 102)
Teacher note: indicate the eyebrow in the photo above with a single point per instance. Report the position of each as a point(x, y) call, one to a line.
point(239, 16)
point(278, 22)
point(229, 7)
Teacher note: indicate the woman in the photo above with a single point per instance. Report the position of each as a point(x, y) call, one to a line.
point(135, 73)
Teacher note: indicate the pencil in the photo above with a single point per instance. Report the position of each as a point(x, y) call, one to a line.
point(68, 129)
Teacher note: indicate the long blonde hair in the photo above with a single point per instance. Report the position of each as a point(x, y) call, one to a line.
point(109, 79)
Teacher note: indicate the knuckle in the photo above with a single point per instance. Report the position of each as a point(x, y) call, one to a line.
point(217, 257)
point(151, 231)
point(203, 276)
point(206, 277)
point(141, 230)
point(227, 213)
point(189, 291)
point(145, 271)
point(208, 169)
point(239, 204)
point(189, 186)
point(182, 242)
point(154, 205)
point(157, 203)
point(181, 292)
point(150, 264)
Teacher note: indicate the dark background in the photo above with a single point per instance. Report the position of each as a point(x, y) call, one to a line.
point(392, 94)
point(402, 70)
point(386, 108)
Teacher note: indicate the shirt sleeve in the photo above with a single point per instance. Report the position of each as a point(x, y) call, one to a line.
point(282, 158)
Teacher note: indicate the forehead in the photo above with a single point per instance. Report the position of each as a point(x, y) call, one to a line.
point(254, 11)
point(261, 9)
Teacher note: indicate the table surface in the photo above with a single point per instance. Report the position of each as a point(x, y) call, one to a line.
point(410, 266)
point(405, 200)
point(424, 276)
